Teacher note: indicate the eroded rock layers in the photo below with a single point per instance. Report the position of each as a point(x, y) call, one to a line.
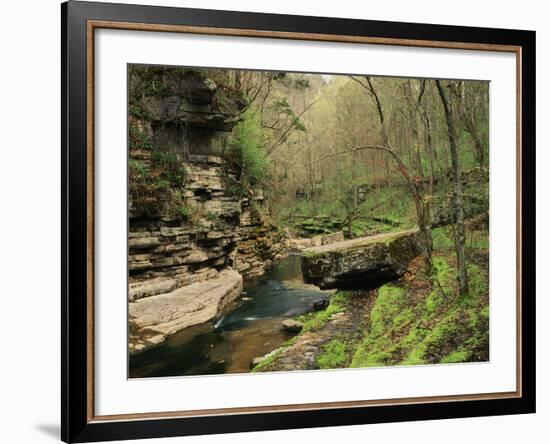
point(191, 235)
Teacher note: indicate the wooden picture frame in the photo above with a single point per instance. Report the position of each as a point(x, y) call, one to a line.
point(79, 22)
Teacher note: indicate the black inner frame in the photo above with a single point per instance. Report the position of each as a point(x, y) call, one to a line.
point(74, 424)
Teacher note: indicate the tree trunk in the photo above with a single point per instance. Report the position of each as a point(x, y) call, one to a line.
point(457, 207)
point(478, 145)
point(422, 218)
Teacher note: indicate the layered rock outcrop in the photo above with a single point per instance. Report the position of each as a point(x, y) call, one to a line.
point(360, 263)
point(191, 236)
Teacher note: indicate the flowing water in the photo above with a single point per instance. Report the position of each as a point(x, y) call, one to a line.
point(250, 327)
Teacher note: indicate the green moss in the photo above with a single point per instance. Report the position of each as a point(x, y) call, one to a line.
point(267, 360)
point(478, 281)
point(405, 317)
point(442, 338)
point(407, 328)
point(415, 357)
point(333, 355)
point(387, 307)
point(456, 356)
point(443, 282)
point(307, 253)
point(416, 334)
point(444, 272)
point(317, 320)
point(441, 328)
point(389, 315)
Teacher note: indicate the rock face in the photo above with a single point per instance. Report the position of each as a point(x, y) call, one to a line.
point(187, 117)
point(360, 263)
point(191, 237)
point(153, 318)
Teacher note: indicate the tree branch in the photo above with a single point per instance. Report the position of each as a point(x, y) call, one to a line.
point(283, 137)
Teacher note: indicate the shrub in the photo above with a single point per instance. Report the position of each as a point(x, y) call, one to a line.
point(170, 167)
point(246, 149)
point(154, 188)
point(137, 139)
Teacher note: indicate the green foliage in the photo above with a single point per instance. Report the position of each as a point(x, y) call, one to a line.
point(246, 149)
point(377, 210)
point(148, 185)
point(333, 355)
point(442, 239)
point(478, 240)
point(282, 107)
point(184, 212)
point(170, 167)
point(211, 216)
point(152, 80)
point(138, 168)
point(147, 81)
point(137, 139)
point(301, 84)
point(139, 112)
point(154, 185)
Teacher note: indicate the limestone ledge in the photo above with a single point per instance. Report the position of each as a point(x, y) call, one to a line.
point(152, 319)
point(360, 263)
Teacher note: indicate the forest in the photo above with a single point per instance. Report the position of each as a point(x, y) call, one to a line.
point(353, 211)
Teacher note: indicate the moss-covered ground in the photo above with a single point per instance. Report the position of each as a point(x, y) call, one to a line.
point(425, 321)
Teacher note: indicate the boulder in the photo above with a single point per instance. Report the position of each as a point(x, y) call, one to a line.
point(292, 326)
point(321, 304)
point(363, 263)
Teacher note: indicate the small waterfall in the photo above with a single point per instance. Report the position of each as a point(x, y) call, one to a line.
point(218, 322)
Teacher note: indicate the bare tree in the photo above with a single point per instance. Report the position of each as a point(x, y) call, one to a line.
point(421, 207)
point(457, 207)
point(467, 104)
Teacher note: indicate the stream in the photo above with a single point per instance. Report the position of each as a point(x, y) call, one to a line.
point(249, 328)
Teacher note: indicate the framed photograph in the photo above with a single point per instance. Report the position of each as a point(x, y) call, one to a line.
point(276, 221)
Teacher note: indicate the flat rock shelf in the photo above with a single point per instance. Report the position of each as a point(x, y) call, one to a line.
point(366, 262)
point(155, 317)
